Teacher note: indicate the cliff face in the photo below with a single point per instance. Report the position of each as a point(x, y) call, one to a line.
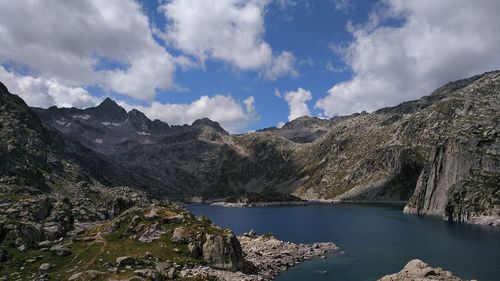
point(461, 181)
point(379, 156)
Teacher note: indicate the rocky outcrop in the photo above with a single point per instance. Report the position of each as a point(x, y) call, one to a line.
point(265, 258)
point(223, 252)
point(419, 270)
point(460, 181)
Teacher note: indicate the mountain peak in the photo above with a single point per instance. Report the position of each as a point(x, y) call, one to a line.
point(207, 122)
point(109, 109)
point(108, 103)
point(3, 88)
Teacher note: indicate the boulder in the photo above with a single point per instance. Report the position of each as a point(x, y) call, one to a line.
point(419, 270)
point(60, 250)
point(29, 235)
point(194, 249)
point(53, 231)
point(223, 252)
point(179, 235)
point(166, 269)
point(153, 232)
point(45, 244)
point(45, 267)
point(125, 261)
point(179, 218)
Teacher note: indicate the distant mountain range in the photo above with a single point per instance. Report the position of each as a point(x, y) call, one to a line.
point(441, 152)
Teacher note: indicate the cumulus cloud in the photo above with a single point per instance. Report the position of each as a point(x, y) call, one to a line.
point(75, 42)
point(41, 92)
point(297, 100)
point(233, 116)
point(227, 30)
point(436, 42)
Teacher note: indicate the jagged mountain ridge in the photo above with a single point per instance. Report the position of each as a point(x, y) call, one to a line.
point(34, 159)
point(375, 157)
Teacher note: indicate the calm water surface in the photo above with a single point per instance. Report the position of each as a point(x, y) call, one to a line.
point(376, 240)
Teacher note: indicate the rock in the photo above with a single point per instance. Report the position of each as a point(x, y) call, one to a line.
point(60, 250)
point(148, 273)
point(223, 252)
point(45, 244)
point(125, 261)
point(154, 232)
point(53, 231)
point(177, 219)
point(153, 214)
point(45, 267)
point(194, 250)
point(166, 269)
point(28, 235)
point(119, 204)
point(179, 235)
point(419, 270)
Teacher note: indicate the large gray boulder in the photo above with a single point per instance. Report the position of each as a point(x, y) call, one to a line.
point(420, 271)
point(125, 261)
point(28, 235)
point(60, 250)
point(223, 252)
point(179, 235)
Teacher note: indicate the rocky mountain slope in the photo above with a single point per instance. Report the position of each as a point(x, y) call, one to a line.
point(34, 159)
point(305, 129)
point(381, 156)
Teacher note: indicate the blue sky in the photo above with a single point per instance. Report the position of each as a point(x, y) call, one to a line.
point(247, 64)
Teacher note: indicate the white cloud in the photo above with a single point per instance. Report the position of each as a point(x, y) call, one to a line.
point(330, 67)
point(438, 41)
point(307, 62)
point(281, 65)
point(40, 92)
point(277, 93)
point(228, 30)
point(71, 41)
point(233, 116)
point(344, 6)
point(297, 100)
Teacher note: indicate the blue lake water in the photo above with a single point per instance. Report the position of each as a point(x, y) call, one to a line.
point(376, 240)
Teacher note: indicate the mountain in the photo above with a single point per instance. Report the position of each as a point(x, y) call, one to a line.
point(35, 160)
point(440, 153)
point(305, 129)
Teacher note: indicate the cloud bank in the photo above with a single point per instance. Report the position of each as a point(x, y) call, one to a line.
point(437, 41)
point(74, 42)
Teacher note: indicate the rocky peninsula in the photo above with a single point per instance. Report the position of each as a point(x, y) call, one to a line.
point(266, 258)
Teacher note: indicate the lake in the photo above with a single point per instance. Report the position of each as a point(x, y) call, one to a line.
point(375, 240)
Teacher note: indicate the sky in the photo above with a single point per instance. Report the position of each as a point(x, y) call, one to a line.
point(246, 64)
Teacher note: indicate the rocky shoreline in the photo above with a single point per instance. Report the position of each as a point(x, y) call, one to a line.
point(305, 203)
point(266, 256)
